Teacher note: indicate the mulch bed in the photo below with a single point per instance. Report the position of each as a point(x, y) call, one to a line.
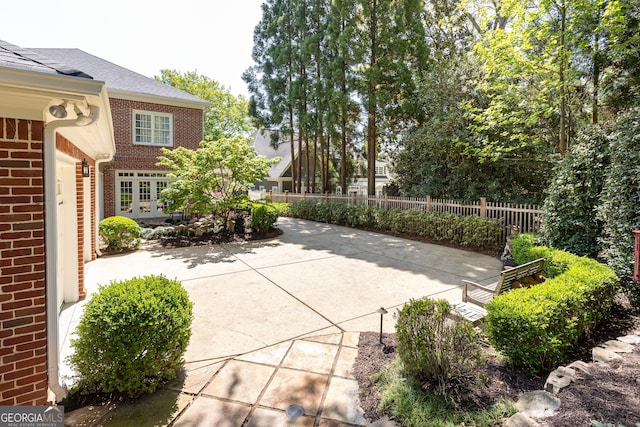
point(223, 237)
point(609, 395)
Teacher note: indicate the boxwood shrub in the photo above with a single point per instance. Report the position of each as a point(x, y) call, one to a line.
point(132, 336)
point(536, 328)
point(120, 232)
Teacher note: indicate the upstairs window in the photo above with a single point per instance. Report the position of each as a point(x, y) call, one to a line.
point(152, 128)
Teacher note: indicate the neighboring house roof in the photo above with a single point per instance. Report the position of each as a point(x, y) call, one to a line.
point(121, 82)
point(261, 140)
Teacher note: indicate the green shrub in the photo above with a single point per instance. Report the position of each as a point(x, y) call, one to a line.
point(619, 208)
point(436, 350)
point(536, 328)
point(263, 216)
point(569, 221)
point(120, 232)
point(283, 208)
point(132, 336)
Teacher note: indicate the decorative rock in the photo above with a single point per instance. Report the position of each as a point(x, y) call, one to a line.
point(606, 356)
point(383, 422)
point(520, 420)
point(581, 366)
point(618, 346)
point(567, 372)
point(538, 404)
point(630, 339)
point(557, 380)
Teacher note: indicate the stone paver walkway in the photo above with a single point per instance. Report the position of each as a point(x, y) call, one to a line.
point(314, 373)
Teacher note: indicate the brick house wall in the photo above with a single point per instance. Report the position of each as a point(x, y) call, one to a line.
point(23, 331)
point(187, 132)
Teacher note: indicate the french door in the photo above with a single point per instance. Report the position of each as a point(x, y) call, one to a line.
point(138, 194)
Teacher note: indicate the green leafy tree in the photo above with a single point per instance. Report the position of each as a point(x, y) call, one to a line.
point(340, 83)
point(390, 46)
point(214, 173)
point(227, 116)
point(271, 79)
point(621, 80)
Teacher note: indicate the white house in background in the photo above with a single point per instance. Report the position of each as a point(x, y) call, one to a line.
point(279, 178)
point(359, 185)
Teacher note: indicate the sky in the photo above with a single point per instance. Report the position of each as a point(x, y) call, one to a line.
point(212, 37)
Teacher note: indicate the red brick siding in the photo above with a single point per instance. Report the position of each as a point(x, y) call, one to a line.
point(187, 132)
point(23, 329)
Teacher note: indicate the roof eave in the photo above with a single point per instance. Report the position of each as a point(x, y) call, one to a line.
point(156, 99)
point(26, 95)
point(13, 77)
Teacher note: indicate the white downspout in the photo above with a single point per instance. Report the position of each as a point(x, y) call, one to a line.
point(105, 158)
point(51, 250)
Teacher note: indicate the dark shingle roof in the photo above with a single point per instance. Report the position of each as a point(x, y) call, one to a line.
point(117, 78)
point(12, 56)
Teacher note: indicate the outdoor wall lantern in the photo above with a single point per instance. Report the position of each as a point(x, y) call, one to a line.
point(85, 169)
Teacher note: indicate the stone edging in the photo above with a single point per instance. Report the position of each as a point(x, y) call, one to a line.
point(543, 403)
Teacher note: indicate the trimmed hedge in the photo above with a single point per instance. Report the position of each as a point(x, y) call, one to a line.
point(470, 231)
point(536, 328)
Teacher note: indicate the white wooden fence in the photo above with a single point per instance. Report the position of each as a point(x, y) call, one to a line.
point(526, 217)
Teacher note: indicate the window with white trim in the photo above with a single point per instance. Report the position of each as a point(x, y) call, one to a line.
point(152, 128)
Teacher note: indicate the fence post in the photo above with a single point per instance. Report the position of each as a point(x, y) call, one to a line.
point(286, 196)
point(428, 203)
point(483, 207)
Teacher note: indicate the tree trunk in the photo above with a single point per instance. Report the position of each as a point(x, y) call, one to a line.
point(327, 160)
point(293, 154)
point(371, 110)
point(596, 80)
point(343, 155)
point(299, 188)
point(315, 161)
point(563, 143)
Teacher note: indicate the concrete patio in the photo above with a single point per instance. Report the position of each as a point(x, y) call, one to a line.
point(276, 322)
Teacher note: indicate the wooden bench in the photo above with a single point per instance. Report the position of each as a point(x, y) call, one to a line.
point(471, 312)
point(482, 294)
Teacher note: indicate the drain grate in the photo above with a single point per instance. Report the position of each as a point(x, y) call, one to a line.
point(294, 411)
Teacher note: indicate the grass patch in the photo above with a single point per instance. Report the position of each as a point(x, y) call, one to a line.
point(404, 398)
